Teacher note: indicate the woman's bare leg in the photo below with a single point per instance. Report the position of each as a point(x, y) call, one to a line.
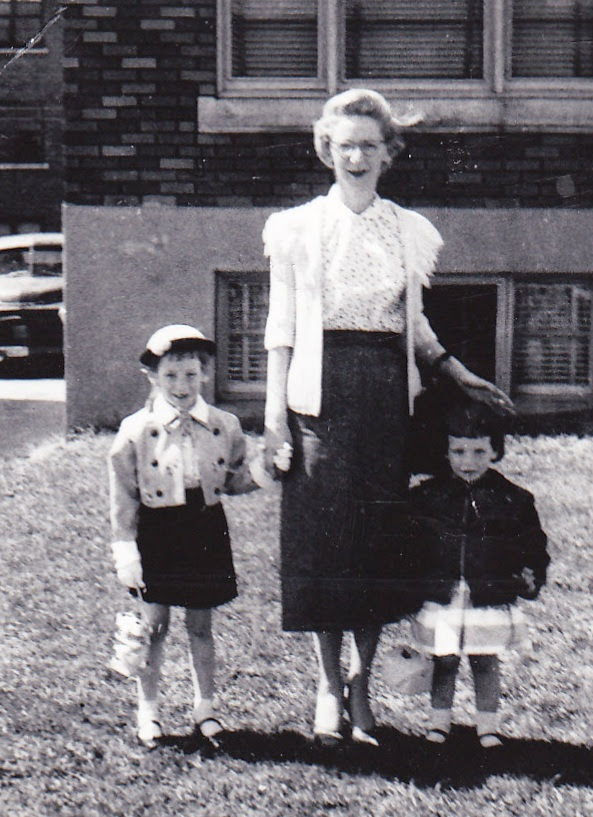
point(328, 711)
point(364, 647)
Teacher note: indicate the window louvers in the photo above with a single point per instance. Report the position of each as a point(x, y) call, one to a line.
point(274, 39)
point(552, 335)
point(414, 39)
point(244, 308)
point(552, 39)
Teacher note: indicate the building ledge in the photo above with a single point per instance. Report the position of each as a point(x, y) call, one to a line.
point(513, 112)
point(24, 166)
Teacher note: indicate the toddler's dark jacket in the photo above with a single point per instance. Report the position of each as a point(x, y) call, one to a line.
point(486, 532)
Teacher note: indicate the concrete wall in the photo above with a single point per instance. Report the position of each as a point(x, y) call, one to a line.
point(130, 270)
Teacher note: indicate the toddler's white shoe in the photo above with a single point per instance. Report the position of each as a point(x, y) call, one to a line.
point(490, 741)
point(438, 736)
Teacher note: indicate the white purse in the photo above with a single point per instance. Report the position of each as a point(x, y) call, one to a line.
point(408, 671)
point(131, 644)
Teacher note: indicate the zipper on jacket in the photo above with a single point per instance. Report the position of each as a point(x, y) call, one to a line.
point(468, 502)
point(468, 499)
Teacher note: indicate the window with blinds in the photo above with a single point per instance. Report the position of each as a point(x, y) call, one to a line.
point(552, 338)
point(440, 53)
point(242, 310)
point(414, 39)
point(19, 21)
point(274, 38)
point(552, 38)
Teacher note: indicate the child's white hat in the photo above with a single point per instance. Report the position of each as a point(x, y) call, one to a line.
point(177, 337)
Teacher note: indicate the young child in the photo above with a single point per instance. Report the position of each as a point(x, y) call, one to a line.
point(168, 466)
point(478, 546)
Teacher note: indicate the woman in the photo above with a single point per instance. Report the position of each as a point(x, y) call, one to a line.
point(344, 325)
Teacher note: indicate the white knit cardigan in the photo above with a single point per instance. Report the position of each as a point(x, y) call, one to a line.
point(292, 241)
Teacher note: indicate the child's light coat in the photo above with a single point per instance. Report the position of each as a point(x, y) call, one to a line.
point(146, 463)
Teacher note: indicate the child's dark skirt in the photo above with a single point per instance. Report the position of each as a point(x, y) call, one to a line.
point(186, 554)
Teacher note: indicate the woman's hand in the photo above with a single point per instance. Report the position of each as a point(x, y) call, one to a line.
point(486, 392)
point(277, 436)
point(277, 449)
point(477, 388)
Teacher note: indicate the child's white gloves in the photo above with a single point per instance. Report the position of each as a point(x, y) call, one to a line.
point(128, 564)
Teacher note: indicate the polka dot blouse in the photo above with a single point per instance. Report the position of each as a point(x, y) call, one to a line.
point(364, 279)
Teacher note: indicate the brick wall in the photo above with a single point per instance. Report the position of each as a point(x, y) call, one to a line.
point(134, 70)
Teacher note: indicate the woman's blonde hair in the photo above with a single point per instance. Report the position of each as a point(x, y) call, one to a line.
point(360, 102)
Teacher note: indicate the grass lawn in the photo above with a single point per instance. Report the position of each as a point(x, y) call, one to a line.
point(67, 726)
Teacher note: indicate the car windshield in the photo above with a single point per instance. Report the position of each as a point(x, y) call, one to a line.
point(12, 261)
point(37, 261)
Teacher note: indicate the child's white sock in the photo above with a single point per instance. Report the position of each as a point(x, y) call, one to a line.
point(203, 709)
point(439, 725)
point(148, 709)
point(487, 728)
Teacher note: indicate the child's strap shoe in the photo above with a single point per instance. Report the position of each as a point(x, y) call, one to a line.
point(209, 731)
point(438, 736)
point(149, 733)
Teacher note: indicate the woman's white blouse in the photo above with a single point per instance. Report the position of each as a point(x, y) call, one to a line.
point(318, 251)
point(364, 280)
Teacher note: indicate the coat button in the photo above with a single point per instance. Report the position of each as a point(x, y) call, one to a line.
point(216, 431)
point(221, 460)
point(159, 492)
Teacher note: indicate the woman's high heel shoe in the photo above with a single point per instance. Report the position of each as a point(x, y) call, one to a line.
point(328, 721)
point(362, 727)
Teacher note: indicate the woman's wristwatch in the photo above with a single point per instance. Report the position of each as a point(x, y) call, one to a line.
point(438, 362)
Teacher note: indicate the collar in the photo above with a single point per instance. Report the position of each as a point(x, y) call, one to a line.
point(338, 207)
point(484, 480)
point(166, 414)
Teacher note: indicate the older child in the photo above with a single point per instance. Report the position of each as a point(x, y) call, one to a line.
point(168, 466)
point(478, 546)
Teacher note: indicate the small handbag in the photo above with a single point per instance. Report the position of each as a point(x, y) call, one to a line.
point(131, 644)
point(408, 671)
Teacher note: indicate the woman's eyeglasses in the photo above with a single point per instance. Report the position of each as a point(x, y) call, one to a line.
point(348, 149)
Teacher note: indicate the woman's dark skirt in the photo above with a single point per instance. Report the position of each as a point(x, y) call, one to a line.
point(343, 502)
point(186, 554)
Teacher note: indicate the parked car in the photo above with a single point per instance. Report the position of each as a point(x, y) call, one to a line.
point(31, 305)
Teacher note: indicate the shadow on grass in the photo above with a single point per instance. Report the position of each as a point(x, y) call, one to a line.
point(460, 763)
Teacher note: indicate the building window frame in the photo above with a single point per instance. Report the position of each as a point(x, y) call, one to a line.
point(556, 389)
point(496, 100)
point(555, 396)
point(15, 39)
point(226, 387)
point(504, 315)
